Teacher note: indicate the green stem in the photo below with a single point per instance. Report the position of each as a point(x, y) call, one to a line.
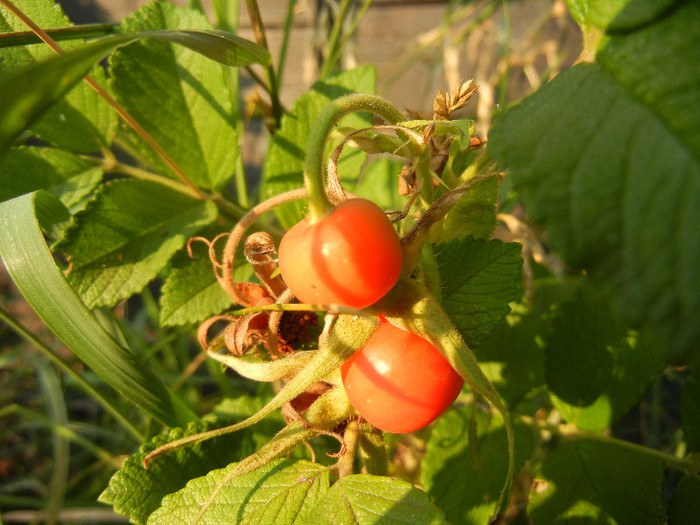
point(272, 82)
point(282, 57)
point(319, 205)
point(25, 38)
point(569, 431)
point(87, 388)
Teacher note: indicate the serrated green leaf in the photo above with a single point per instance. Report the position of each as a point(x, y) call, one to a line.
point(594, 369)
point(191, 292)
point(363, 499)
point(684, 507)
point(597, 482)
point(83, 122)
point(612, 165)
point(474, 214)
point(479, 279)
point(274, 493)
point(690, 413)
point(31, 266)
point(465, 479)
point(27, 169)
point(181, 98)
point(285, 159)
point(127, 235)
point(617, 14)
point(137, 492)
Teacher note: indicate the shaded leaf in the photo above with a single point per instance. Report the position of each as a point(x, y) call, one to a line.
point(284, 163)
point(479, 279)
point(618, 185)
point(597, 482)
point(465, 479)
point(127, 235)
point(81, 122)
point(684, 507)
point(690, 412)
point(594, 368)
point(27, 169)
point(617, 14)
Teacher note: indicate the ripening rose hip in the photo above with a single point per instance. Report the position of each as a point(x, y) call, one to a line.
point(352, 257)
point(399, 382)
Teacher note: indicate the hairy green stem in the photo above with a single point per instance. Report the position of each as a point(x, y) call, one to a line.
point(319, 205)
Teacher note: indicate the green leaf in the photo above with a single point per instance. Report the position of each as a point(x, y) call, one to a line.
point(183, 100)
point(127, 235)
point(690, 412)
point(479, 279)
point(595, 370)
point(465, 478)
point(363, 499)
point(27, 169)
point(285, 159)
point(137, 492)
point(191, 292)
point(81, 122)
point(474, 214)
point(684, 507)
point(617, 14)
point(275, 493)
point(611, 163)
point(29, 263)
point(380, 183)
point(589, 481)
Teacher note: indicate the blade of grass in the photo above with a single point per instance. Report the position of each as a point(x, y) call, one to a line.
point(77, 378)
point(24, 38)
point(31, 266)
point(58, 415)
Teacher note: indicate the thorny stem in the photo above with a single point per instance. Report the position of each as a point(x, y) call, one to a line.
point(319, 205)
point(110, 100)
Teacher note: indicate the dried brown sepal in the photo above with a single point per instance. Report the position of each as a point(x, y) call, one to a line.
point(444, 104)
point(260, 251)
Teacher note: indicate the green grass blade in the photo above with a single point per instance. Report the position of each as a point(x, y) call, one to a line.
point(31, 266)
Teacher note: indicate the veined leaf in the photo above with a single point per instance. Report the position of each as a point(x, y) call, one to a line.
point(127, 235)
point(284, 164)
point(191, 292)
point(81, 122)
point(27, 169)
point(31, 266)
point(182, 99)
point(137, 492)
point(363, 499)
point(27, 93)
point(275, 493)
point(608, 155)
point(597, 482)
point(479, 279)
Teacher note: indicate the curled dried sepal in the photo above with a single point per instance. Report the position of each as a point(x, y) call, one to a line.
point(444, 104)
